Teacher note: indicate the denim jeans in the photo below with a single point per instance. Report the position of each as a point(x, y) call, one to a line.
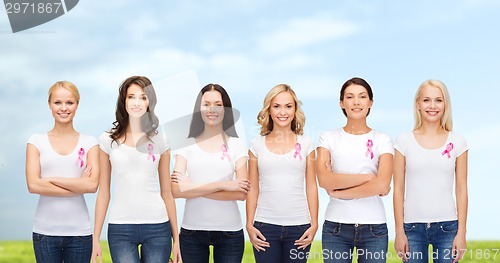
point(339, 241)
point(57, 249)
point(281, 243)
point(195, 246)
point(155, 242)
point(440, 235)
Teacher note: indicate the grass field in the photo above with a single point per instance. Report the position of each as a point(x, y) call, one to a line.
point(477, 251)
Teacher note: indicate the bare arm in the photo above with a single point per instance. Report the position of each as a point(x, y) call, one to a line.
point(381, 185)
point(256, 238)
point(166, 195)
point(35, 184)
point(312, 201)
point(461, 192)
point(183, 189)
point(102, 203)
point(86, 183)
point(401, 241)
point(334, 181)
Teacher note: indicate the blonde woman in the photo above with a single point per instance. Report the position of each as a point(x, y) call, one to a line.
point(429, 162)
point(61, 166)
point(282, 208)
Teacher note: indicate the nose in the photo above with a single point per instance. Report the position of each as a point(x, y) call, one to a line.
point(356, 100)
point(433, 104)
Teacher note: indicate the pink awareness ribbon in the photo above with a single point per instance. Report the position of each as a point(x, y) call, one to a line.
point(297, 151)
point(81, 153)
point(449, 147)
point(369, 145)
point(150, 153)
point(223, 148)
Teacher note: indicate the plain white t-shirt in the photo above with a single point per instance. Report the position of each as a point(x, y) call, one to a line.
point(282, 199)
point(350, 154)
point(136, 197)
point(203, 167)
point(62, 215)
point(429, 177)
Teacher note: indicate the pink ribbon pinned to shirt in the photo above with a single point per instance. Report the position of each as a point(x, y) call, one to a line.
point(223, 148)
point(150, 153)
point(449, 147)
point(369, 145)
point(297, 151)
point(81, 153)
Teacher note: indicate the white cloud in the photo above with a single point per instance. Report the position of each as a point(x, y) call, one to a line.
point(300, 33)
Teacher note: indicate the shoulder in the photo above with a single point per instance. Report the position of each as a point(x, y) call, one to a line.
point(457, 137)
point(89, 139)
point(304, 139)
point(35, 139)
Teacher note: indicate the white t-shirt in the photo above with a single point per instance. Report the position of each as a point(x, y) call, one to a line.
point(62, 215)
point(356, 154)
point(136, 197)
point(282, 199)
point(203, 167)
point(429, 177)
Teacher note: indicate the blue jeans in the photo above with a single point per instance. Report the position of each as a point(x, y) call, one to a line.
point(440, 235)
point(339, 241)
point(155, 242)
point(57, 249)
point(195, 246)
point(281, 240)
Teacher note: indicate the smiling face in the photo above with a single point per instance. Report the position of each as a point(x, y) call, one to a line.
point(356, 102)
point(282, 109)
point(63, 105)
point(136, 101)
point(430, 104)
point(212, 108)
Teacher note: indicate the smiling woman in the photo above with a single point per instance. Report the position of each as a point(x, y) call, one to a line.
point(61, 166)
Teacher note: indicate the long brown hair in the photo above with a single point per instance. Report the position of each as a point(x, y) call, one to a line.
point(149, 121)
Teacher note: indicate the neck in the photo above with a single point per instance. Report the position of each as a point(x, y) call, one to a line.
point(134, 126)
point(211, 131)
point(63, 128)
point(356, 126)
point(431, 128)
point(284, 132)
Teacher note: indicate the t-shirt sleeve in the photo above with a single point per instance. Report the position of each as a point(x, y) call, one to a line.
point(254, 146)
point(105, 142)
point(182, 151)
point(33, 140)
point(324, 141)
point(462, 145)
point(399, 144)
point(386, 145)
point(240, 150)
point(309, 145)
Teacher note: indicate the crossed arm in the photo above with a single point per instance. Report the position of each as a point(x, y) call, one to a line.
point(61, 186)
point(182, 187)
point(354, 186)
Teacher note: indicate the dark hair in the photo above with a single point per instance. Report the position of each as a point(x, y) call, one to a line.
point(197, 123)
point(149, 121)
point(356, 81)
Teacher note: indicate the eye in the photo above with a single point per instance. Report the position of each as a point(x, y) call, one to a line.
point(130, 97)
point(70, 103)
point(426, 100)
point(289, 106)
point(276, 106)
point(363, 97)
point(219, 105)
point(57, 103)
point(144, 98)
point(439, 100)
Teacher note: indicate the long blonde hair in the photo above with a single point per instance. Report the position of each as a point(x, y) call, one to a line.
point(266, 122)
point(67, 86)
point(446, 120)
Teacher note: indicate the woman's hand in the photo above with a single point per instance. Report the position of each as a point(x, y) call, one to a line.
point(257, 239)
point(307, 238)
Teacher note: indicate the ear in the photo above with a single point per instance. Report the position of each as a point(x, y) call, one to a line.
point(342, 104)
point(371, 104)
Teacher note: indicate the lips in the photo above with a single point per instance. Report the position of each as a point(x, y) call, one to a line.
point(282, 118)
point(433, 113)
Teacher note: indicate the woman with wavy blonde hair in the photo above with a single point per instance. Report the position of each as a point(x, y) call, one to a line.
point(281, 160)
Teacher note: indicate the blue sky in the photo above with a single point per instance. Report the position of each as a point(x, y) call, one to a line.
point(248, 47)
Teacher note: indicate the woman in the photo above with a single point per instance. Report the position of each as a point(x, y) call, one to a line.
point(428, 163)
point(355, 167)
point(282, 218)
point(204, 175)
point(139, 157)
point(61, 166)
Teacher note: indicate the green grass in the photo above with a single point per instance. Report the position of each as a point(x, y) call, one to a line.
point(477, 251)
